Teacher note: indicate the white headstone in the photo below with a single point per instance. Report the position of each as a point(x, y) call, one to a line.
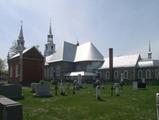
point(116, 87)
point(135, 85)
point(98, 92)
point(62, 90)
point(79, 78)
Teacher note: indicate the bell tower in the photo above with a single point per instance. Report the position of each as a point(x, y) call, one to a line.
point(49, 46)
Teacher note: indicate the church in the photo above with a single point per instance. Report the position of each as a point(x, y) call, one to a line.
point(132, 68)
point(27, 65)
point(72, 60)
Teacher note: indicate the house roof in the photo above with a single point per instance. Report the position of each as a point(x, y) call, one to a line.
point(25, 51)
point(122, 61)
point(148, 63)
point(82, 73)
point(73, 53)
point(88, 52)
point(18, 54)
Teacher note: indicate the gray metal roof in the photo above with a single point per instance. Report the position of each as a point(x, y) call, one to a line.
point(122, 61)
point(73, 53)
point(148, 63)
point(18, 54)
point(88, 52)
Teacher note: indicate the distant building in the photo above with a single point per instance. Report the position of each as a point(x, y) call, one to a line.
point(132, 67)
point(32, 64)
point(72, 60)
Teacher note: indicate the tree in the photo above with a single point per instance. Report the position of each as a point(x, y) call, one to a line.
point(2, 65)
point(13, 48)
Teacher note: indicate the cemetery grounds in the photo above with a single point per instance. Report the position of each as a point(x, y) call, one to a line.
point(130, 105)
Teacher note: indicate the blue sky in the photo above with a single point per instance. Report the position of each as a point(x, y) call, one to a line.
point(125, 25)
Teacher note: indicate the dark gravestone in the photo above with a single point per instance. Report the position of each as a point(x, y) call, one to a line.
point(12, 91)
point(10, 110)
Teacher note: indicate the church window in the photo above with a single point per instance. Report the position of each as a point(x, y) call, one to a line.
point(11, 71)
point(126, 74)
point(140, 74)
point(157, 74)
point(116, 75)
point(148, 74)
point(107, 75)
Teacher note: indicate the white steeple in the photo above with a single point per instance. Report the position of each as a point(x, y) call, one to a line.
point(149, 52)
point(20, 41)
point(49, 46)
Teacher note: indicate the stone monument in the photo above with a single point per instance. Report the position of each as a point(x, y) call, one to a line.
point(10, 110)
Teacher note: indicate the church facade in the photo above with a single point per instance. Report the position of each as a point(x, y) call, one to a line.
point(132, 68)
point(71, 60)
point(27, 65)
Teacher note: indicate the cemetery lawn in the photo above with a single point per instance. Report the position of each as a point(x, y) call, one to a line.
point(130, 105)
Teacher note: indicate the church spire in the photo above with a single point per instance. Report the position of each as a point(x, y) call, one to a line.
point(149, 52)
point(21, 32)
point(49, 46)
point(50, 36)
point(50, 30)
point(20, 41)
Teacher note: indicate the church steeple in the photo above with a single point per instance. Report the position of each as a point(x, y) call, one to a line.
point(149, 52)
point(49, 46)
point(20, 41)
point(50, 36)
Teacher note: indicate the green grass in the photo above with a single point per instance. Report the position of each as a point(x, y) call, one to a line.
point(130, 105)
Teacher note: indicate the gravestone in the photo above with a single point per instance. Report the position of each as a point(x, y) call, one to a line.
point(33, 86)
point(42, 89)
point(157, 105)
point(79, 79)
point(62, 90)
point(135, 85)
point(116, 86)
point(98, 95)
point(13, 91)
point(10, 110)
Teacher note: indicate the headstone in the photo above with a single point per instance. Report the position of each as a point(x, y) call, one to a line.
point(79, 79)
point(10, 110)
point(157, 105)
point(98, 96)
point(42, 89)
point(62, 90)
point(33, 86)
point(135, 85)
point(117, 88)
point(143, 80)
point(122, 80)
point(13, 91)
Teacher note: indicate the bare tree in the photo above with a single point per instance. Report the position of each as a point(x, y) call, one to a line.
point(2, 65)
point(13, 48)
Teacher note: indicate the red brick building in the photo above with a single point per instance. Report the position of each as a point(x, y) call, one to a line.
point(29, 67)
point(33, 63)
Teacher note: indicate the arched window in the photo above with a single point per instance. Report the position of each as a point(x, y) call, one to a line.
point(16, 70)
point(116, 75)
point(11, 71)
point(126, 74)
point(157, 74)
point(107, 75)
point(140, 74)
point(148, 74)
